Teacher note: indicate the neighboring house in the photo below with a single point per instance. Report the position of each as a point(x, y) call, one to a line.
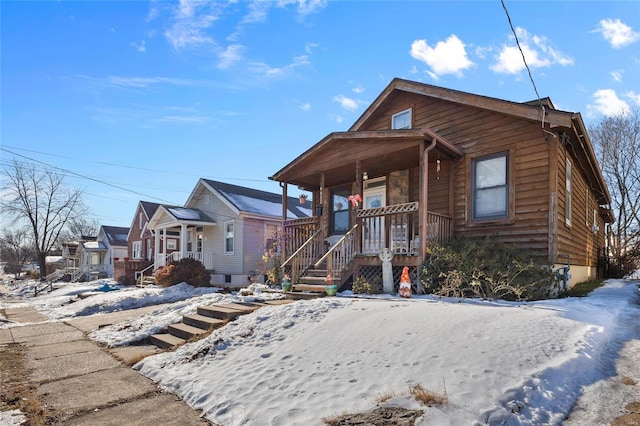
point(140, 245)
point(96, 257)
point(431, 163)
point(226, 227)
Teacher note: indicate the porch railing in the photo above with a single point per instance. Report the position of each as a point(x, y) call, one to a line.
point(297, 232)
point(341, 254)
point(302, 259)
point(397, 227)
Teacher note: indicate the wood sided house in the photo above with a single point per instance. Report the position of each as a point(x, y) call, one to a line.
point(430, 163)
point(226, 227)
point(93, 257)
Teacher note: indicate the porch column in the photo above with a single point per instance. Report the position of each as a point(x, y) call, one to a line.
point(156, 248)
point(285, 207)
point(424, 198)
point(359, 190)
point(183, 240)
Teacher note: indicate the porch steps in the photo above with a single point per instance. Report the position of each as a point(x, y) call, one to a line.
point(206, 319)
point(146, 280)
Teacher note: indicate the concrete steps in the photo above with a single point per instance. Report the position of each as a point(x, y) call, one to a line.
point(206, 319)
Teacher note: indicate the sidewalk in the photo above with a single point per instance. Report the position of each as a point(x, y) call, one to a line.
point(85, 384)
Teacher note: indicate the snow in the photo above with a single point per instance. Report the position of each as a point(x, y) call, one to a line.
point(258, 206)
point(498, 362)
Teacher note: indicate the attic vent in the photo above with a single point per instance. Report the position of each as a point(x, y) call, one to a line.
point(206, 198)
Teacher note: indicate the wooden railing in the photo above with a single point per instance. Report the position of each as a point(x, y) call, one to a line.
point(300, 261)
point(297, 232)
point(397, 227)
point(439, 228)
point(341, 254)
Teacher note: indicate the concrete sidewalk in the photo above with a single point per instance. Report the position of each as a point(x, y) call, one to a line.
point(88, 385)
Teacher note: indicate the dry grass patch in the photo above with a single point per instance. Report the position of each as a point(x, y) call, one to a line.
point(385, 397)
point(628, 381)
point(428, 397)
point(16, 392)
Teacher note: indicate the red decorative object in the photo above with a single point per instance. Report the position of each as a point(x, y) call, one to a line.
point(303, 198)
point(355, 199)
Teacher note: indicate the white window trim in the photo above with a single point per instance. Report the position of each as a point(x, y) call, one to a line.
point(507, 185)
point(136, 250)
point(568, 186)
point(393, 119)
point(232, 223)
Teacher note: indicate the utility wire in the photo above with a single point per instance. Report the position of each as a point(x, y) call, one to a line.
point(86, 177)
point(522, 53)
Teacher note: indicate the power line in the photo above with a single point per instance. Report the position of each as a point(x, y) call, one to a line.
point(522, 53)
point(86, 177)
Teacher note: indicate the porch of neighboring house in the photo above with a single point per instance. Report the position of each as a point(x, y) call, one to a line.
point(93, 262)
point(175, 243)
point(397, 199)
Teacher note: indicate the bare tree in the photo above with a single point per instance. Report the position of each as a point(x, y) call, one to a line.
point(78, 227)
point(39, 200)
point(617, 141)
point(15, 250)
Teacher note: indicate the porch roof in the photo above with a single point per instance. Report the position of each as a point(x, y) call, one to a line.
point(378, 151)
point(170, 216)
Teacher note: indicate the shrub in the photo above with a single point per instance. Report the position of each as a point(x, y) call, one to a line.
point(362, 286)
point(187, 270)
point(486, 268)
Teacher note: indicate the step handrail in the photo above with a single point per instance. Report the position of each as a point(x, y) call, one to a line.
point(338, 245)
point(140, 274)
point(301, 248)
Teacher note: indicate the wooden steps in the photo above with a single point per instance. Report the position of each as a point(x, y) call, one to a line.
point(206, 319)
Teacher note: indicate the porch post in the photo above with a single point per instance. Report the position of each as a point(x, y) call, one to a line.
point(156, 248)
point(183, 240)
point(359, 190)
point(285, 206)
point(424, 198)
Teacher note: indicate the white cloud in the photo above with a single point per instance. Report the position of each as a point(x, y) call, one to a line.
point(191, 19)
point(536, 50)
point(269, 71)
point(346, 103)
point(607, 102)
point(635, 97)
point(617, 75)
point(257, 12)
point(145, 82)
point(447, 57)
point(305, 106)
point(337, 118)
point(230, 56)
point(304, 7)
point(139, 46)
point(617, 33)
point(358, 89)
point(309, 46)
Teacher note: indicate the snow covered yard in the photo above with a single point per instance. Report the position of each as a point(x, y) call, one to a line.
point(498, 362)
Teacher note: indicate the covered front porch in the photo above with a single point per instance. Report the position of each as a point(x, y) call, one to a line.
point(181, 233)
point(372, 190)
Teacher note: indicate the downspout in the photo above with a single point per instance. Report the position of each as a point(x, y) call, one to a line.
point(283, 185)
point(424, 195)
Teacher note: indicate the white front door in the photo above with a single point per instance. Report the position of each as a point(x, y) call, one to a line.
point(373, 233)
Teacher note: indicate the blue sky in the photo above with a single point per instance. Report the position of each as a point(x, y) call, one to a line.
point(136, 100)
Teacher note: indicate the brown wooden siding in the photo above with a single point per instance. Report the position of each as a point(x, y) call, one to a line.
point(577, 239)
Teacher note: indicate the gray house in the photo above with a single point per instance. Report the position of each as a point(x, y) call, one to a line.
point(226, 227)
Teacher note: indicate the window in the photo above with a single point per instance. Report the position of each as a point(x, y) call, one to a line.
point(490, 187)
point(171, 244)
point(206, 198)
point(567, 206)
point(149, 250)
point(189, 240)
point(140, 220)
point(228, 237)
point(199, 238)
point(271, 241)
point(136, 250)
point(340, 211)
point(401, 120)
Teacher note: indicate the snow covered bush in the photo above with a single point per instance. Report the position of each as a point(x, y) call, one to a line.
point(187, 270)
point(486, 268)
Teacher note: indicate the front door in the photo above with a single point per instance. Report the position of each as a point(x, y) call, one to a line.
point(373, 233)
